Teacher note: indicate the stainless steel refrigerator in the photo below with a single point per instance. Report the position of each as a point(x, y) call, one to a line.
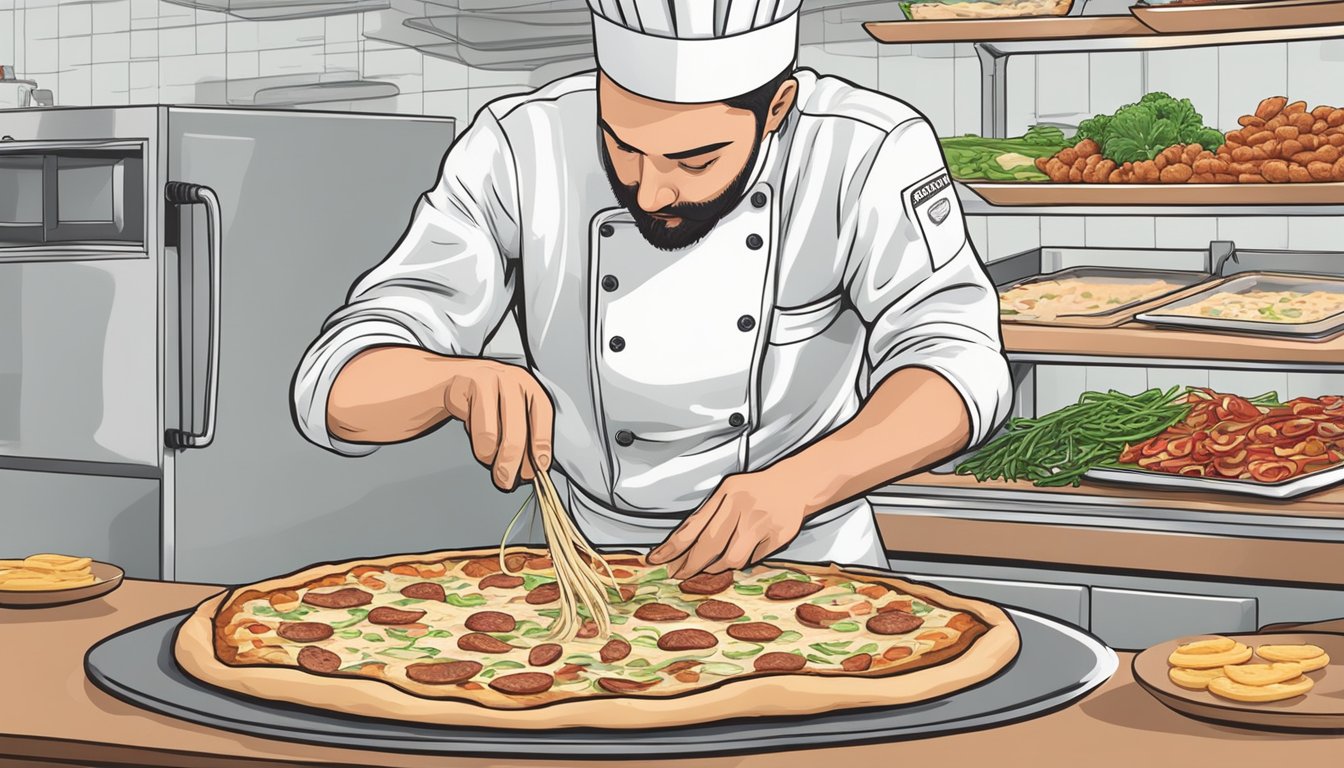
point(162, 270)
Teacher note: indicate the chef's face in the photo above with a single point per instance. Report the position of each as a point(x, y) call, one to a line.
point(679, 168)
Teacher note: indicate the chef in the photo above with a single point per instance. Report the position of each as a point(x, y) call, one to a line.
point(745, 292)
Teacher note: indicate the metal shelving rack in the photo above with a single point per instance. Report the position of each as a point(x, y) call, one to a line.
point(936, 502)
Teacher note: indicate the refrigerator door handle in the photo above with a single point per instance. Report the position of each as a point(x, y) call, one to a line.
point(182, 193)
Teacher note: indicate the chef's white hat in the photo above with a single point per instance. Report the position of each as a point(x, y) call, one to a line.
point(694, 51)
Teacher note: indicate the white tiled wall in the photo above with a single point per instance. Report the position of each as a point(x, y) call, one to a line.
point(146, 51)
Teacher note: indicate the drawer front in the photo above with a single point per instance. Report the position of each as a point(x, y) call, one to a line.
point(1133, 619)
point(112, 519)
point(1066, 602)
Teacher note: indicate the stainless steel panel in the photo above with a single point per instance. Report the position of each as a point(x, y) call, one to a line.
point(112, 519)
point(1068, 602)
point(1132, 619)
point(310, 201)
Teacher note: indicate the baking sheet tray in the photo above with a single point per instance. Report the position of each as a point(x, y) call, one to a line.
point(1285, 489)
point(1057, 665)
point(1246, 282)
point(1186, 284)
point(1044, 193)
point(1173, 19)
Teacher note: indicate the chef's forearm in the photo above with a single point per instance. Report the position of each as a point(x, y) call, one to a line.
point(914, 419)
point(391, 393)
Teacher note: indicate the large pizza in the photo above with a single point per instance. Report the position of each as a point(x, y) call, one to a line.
point(451, 638)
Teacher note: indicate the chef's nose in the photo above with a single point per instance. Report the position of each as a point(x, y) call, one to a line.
point(655, 191)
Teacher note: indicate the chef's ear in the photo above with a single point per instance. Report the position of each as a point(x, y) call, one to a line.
point(780, 105)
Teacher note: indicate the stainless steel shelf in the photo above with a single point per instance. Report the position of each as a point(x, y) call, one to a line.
point(258, 10)
point(974, 205)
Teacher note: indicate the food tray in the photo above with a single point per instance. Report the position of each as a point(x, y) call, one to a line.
point(1320, 709)
point(1195, 18)
point(1250, 281)
point(1284, 489)
point(1043, 193)
point(1186, 283)
point(109, 574)
point(1057, 665)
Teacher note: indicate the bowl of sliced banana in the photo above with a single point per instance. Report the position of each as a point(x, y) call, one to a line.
point(1271, 680)
point(43, 580)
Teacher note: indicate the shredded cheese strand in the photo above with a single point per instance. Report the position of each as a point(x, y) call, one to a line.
point(579, 582)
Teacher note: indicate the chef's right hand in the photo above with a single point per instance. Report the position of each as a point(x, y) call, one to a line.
point(508, 416)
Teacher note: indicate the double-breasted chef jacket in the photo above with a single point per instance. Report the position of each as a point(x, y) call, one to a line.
point(846, 260)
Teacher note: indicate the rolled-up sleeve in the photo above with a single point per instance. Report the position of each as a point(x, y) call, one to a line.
point(445, 287)
point(914, 278)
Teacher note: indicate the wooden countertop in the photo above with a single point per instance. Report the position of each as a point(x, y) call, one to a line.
point(50, 713)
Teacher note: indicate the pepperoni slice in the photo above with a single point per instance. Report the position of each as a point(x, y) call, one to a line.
point(316, 659)
point(615, 650)
point(502, 581)
point(789, 589)
point(589, 629)
point(304, 631)
point(859, 662)
point(349, 597)
point(490, 621)
point(719, 610)
point(778, 661)
point(482, 566)
point(424, 590)
point(515, 561)
point(523, 683)
point(443, 673)
point(617, 685)
point(707, 583)
point(687, 640)
point(815, 616)
point(894, 623)
point(545, 654)
point(659, 612)
point(754, 631)
point(680, 666)
point(544, 593)
point(482, 644)
point(390, 616)
point(540, 564)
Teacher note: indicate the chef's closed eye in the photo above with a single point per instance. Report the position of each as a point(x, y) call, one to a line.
point(698, 165)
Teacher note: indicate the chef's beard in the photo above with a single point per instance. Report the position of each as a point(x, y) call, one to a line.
point(697, 219)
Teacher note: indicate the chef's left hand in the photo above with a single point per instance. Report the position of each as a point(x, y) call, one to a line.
point(748, 517)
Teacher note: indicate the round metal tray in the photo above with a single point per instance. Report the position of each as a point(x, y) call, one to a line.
point(1057, 665)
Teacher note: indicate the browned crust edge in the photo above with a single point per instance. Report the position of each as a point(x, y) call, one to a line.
point(988, 646)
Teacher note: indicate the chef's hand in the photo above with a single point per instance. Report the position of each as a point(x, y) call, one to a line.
point(747, 518)
point(507, 414)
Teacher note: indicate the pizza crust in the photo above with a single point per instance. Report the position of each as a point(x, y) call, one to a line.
point(195, 650)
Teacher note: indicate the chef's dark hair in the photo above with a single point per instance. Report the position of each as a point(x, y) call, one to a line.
point(758, 100)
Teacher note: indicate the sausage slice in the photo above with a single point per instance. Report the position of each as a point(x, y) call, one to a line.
point(501, 581)
point(859, 662)
point(707, 583)
point(304, 631)
point(687, 640)
point(545, 654)
point(490, 621)
point(443, 673)
point(316, 659)
point(754, 631)
point(619, 685)
point(544, 593)
point(615, 650)
point(523, 683)
point(815, 616)
point(424, 590)
point(789, 589)
point(659, 612)
point(391, 616)
point(894, 623)
point(719, 610)
point(348, 597)
point(482, 644)
point(778, 661)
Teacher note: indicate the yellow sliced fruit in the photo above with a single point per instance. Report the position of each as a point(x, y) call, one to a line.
point(1263, 674)
point(1315, 663)
point(1231, 689)
point(1237, 655)
point(1289, 652)
point(1198, 679)
point(1210, 645)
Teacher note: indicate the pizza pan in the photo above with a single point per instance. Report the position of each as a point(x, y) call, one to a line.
point(1182, 283)
point(1057, 665)
point(109, 579)
point(1320, 709)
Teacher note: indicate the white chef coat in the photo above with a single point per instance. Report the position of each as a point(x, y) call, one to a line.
point(847, 259)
